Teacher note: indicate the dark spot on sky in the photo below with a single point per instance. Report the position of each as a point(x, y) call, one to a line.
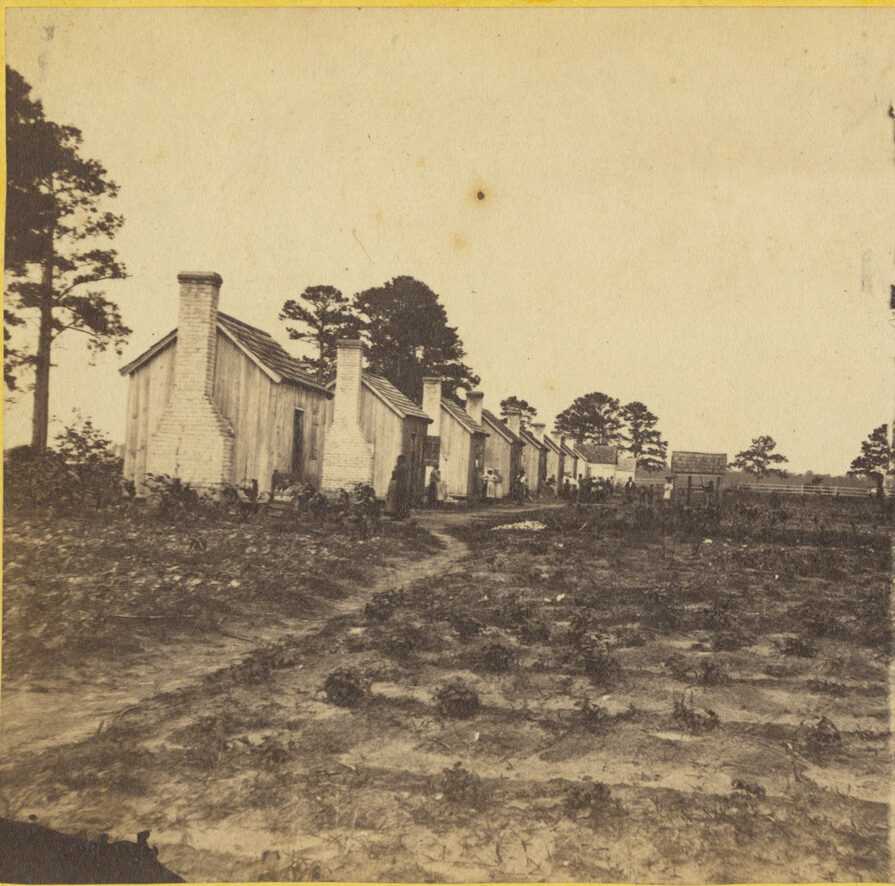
point(480, 195)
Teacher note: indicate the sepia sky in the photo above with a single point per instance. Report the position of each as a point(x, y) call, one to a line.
point(692, 208)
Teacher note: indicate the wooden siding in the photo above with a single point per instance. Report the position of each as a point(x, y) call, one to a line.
point(262, 414)
point(504, 458)
point(383, 428)
point(555, 465)
point(531, 461)
point(455, 455)
point(259, 410)
point(148, 390)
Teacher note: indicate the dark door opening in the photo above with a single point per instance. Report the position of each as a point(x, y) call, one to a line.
point(298, 439)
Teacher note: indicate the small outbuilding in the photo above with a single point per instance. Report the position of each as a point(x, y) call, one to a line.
point(698, 474)
point(217, 401)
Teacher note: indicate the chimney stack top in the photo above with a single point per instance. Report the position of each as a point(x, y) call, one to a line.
point(207, 277)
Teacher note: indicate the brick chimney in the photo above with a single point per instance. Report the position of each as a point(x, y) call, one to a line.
point(193, 440)
point(347, 456)
point(432, 404)
point(514, 420)
point(474, 400)
point(538, 431)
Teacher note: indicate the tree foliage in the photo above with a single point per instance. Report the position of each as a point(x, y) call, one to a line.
point(528, 412)
point(641, 437)
point(760, 458)
point(873, 462)
point(57, 255)
point(407, 337)
point(592, 418)
point(322, 315)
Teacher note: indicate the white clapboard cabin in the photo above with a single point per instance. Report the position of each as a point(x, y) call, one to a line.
point(460, 445)
point(503, 450)
point(217, 401)
point(534, 454)
point(389, 424)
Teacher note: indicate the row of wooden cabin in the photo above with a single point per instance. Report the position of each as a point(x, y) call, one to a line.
point(218, 401)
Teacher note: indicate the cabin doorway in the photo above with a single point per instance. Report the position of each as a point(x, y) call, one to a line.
point(298, 439)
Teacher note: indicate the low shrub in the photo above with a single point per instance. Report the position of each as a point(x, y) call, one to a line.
point(496, 658)
point(461, 787)
point(457, 700)
point(693, 720)
point(346, 687)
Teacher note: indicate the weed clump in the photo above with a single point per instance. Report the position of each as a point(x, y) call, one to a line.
point(662, 611)
point(751, 789)
point(383, 606)
point(462, 787)
point(532, 630)
point(796, 646)
point(823, 737)
point(711, 673)
point(496, 658)
point(592, 800)
point(592, 717)
point(346, 687)
point(730, 640)
point(693, 720)
point(466, 626)
point(457, 700)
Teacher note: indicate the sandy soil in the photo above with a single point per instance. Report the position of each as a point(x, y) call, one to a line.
point(597, 655)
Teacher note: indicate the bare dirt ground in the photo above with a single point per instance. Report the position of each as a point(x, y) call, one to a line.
point(652, 705)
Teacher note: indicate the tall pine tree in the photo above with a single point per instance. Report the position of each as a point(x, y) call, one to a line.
point(322, 315)
point(407, 337)
point(56, 240)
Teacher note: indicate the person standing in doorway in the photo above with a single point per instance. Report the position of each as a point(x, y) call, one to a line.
point(397, 502)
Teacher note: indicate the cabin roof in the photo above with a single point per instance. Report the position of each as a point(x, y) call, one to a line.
point(462, 416)
point(599, 455)
point(698, 462)
point(500, 426)
point(568, 449)
point(529, 438)
point(257, 344)
point(398, 401)
point(551, 443)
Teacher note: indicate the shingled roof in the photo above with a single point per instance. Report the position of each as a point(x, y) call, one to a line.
point(462, 416)
point(500, 426)
point(268, 351)
point(599, 455)
point(393, 397)
point(255, 342)
point(529, 438)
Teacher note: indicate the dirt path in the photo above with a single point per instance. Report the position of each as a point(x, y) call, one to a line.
point(53, 713)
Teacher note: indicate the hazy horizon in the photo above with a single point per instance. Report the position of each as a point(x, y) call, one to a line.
point(691, 208)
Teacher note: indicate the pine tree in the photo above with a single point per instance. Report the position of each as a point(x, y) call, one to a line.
point(57, 229)
point(324, 316)
point(759, 457)
point(641, 437)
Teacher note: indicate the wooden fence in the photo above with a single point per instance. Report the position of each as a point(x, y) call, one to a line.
point(804, 489)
